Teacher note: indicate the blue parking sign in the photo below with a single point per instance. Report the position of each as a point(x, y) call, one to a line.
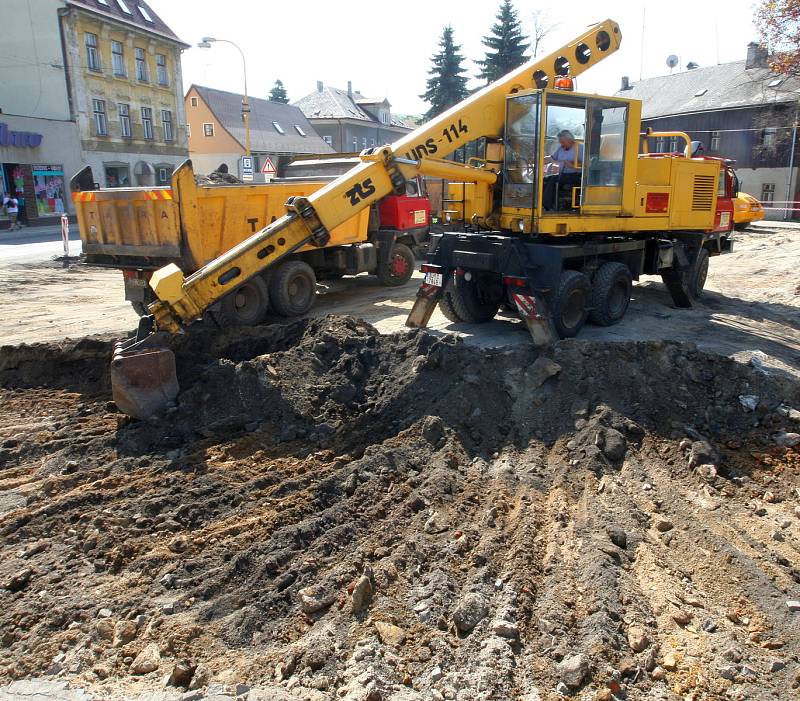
point(247, 168)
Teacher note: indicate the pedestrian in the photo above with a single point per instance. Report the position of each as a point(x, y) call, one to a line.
point(12, 209)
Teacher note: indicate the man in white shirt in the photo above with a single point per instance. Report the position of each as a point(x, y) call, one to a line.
point(12, 209)
point(569, 168)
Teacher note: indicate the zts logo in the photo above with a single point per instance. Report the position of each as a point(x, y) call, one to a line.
point(360, 191)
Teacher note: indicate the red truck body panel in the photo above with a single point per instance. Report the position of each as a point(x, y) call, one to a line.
point(403, 212)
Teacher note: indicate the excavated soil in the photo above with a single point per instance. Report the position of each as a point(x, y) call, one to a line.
point(332, 513)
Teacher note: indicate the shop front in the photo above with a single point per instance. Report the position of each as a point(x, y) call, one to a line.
point(37, 157)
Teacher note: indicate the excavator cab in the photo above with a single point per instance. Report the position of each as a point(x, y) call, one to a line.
point(603, 128)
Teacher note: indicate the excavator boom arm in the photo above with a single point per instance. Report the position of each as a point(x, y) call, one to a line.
point(382, 171)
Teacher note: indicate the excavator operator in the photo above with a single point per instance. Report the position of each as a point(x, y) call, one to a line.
point(567, 169)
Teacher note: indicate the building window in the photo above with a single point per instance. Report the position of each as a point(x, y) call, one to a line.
point(188, 131)
point(166, 124)
point(715, 139)
point(768, 137)
point(355, 143)
point(163, 175)
point(768, 192)
point(117, 58)
point(278, 128)
point(194, 102)
point(117, 176)
point(328, 140)
point(299, 130)
point(385, 119)
point(673, 144)
point(100, 123)
point(161, 69)
point(92, 55)
point(364, 143)
point(208, 129)
point(141, 65)
point(124, 7)
point(124, 111)
point(147, 122)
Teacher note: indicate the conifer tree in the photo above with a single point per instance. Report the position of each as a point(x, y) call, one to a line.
point(278, 93)
point(446, 85)
point(506, 45)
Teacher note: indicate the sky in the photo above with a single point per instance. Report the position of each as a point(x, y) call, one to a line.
point(384, 48)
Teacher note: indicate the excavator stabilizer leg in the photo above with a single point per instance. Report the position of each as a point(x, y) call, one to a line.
point(143, 377)
point(533, 311)
point(428, 296)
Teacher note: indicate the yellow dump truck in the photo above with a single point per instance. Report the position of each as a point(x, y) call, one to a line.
point(140, 229)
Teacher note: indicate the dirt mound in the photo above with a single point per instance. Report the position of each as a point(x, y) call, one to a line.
point(331, 513)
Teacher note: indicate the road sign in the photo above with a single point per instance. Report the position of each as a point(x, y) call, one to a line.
point(247, 168)
point(268, 168)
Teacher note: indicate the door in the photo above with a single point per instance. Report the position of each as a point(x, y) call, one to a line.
point(603, 167)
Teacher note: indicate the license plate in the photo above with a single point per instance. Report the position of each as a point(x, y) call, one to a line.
point(434, 279)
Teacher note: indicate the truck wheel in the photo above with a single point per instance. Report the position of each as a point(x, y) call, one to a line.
point(247, 305)
point(696, 277)
point(570, 303)
point(398, 270)
point(470, 301)
point(446, 305)
point(611, 292)
point(292, 288)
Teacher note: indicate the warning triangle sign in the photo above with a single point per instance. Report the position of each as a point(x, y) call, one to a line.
point(268, 168)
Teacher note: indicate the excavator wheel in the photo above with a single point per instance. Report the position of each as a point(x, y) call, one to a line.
point(398, 270)
point(247, 305)
point(611, 293)
point(469, 300)
point(292, 288)
point(570, 305)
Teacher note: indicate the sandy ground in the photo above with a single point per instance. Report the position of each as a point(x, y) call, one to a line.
point(751, 304)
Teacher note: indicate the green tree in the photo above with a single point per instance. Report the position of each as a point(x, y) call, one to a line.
point(446, 85)
point(506, 45)
point(278, 93)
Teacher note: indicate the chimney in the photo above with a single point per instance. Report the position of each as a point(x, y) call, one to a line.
point(626, 83)
point(319, 86)
point(349, 88)
point(757, 56)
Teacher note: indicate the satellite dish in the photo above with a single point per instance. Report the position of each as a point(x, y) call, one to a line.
point(672, 61)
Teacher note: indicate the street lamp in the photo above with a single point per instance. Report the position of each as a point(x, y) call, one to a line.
point(205, 43)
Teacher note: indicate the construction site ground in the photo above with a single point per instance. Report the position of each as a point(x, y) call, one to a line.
point(338, 508)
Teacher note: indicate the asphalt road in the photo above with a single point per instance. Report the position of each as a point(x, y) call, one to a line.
point(37, 245)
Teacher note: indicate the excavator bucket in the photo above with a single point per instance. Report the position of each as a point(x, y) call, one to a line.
point(143, 378)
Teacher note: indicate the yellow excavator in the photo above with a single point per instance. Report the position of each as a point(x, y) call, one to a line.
point(555, 249)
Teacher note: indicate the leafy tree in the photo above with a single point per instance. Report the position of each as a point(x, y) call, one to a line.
point(278, 93)
point(446, 85)
point(506, 45)
point(779, 26)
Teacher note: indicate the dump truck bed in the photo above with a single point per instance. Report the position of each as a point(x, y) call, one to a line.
point(186, 223)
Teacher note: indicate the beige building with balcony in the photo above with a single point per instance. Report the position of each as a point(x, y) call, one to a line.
point(126, 89)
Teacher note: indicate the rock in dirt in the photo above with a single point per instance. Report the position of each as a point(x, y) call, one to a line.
point(637, 639)
point(542, 369)
point(181, 674)
point(362, 594)
point(390, 634)
point(124, 632)
point(19, 580)
point(573, 670)
point(148, 660)
point(471, 610)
